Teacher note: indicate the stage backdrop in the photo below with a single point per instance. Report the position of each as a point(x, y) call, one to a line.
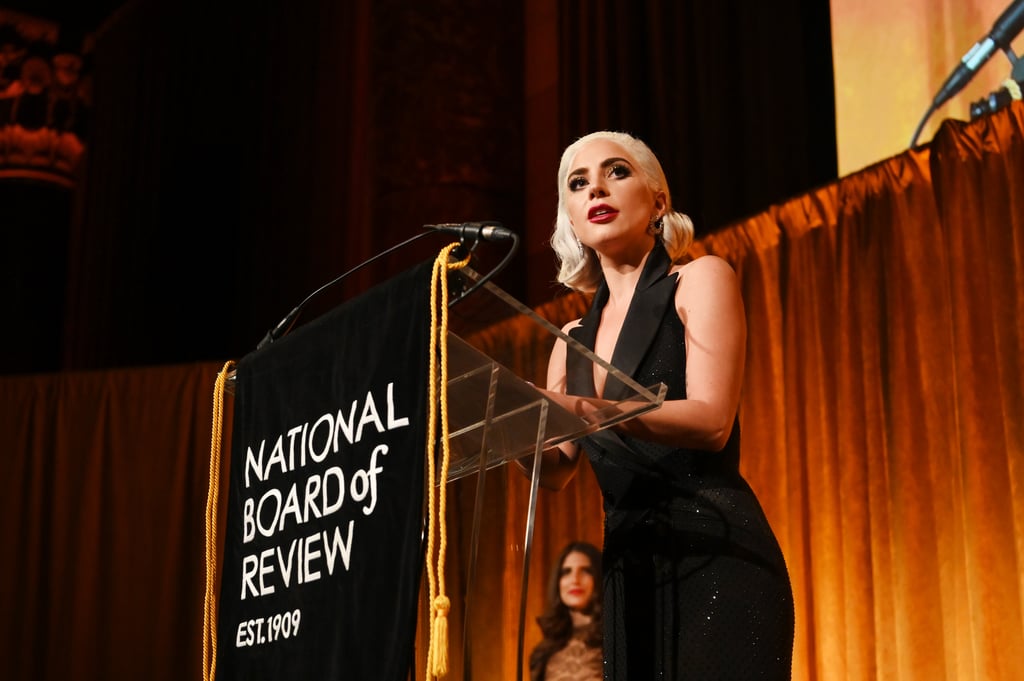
point(882, 431)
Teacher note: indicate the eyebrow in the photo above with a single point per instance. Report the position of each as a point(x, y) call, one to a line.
point(604, 164)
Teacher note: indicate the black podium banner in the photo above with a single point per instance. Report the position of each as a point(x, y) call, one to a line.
point(322, 556)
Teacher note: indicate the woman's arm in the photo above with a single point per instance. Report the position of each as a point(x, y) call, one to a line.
point(710, 306)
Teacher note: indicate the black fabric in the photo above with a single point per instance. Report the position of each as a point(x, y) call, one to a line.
point(696, 586)
point(329, 428)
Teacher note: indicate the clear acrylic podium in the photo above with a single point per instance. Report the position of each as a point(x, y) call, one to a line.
point(496, 417)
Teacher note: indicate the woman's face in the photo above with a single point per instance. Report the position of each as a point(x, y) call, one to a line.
point(609, 201)
point(576, 581)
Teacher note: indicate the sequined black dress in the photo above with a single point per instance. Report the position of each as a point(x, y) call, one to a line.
point(695, 585)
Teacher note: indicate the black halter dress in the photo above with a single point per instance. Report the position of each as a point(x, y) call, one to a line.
point(695, 585)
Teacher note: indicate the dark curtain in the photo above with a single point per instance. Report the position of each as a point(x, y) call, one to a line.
point(34, 224)
point(242, 156)
point(882, 432)
point(239, 157)
point(736, 98)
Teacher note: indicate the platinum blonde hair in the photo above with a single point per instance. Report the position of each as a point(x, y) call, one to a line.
point(578, 265)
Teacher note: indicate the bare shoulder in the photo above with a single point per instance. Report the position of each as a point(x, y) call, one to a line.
point(710, 267)
point(707, 283)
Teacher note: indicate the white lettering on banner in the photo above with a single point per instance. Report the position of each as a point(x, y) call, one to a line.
point(272, 509)
point(290, 449)
point(394, 423)
point(370, 416)
point(319, 456)
point(367, 481)
point(268, 629)
point(274, 512)
point(302, 562)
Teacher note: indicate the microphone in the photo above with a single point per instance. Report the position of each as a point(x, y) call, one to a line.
point(488, 230)
point(1004, 30)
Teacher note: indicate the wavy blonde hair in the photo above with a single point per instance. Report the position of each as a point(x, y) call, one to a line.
point(578, 267)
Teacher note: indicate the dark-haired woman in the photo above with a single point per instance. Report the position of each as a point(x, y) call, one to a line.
point(571, 624)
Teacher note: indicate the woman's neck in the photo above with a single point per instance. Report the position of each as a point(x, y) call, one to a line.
point(623, 272)
point(579, 619)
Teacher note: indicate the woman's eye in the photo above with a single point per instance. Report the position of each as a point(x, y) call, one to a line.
point(619, 170)
point(577, 183)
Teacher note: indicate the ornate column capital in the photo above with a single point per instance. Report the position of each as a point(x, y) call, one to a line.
point(45, 100)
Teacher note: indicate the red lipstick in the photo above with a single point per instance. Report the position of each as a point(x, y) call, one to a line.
point(602, 212)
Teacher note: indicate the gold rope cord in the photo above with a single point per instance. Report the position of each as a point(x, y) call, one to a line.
point(437, 651)
point(212, 498)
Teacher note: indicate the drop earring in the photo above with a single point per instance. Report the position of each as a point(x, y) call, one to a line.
point(655, 226)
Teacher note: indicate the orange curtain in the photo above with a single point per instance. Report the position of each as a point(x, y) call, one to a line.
point(884, 407)
point(883, 418)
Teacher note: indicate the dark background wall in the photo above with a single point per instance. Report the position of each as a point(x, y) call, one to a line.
point(240, 155)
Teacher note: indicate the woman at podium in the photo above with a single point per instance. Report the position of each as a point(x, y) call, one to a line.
point(695, 584)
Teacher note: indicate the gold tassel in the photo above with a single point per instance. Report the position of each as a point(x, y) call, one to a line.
point(439, 634)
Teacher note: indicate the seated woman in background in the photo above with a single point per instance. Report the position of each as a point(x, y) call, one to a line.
point(571, 623)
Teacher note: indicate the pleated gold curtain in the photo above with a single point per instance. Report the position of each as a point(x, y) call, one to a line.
point(883, 430)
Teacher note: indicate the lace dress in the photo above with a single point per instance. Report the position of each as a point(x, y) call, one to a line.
point(575, 662)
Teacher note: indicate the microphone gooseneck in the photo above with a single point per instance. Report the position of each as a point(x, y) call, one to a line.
point(488, 230)
point(285, 325)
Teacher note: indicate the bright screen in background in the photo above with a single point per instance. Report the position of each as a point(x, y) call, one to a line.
point(891, 57)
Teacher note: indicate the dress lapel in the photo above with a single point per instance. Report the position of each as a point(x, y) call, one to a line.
point(654, 291)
